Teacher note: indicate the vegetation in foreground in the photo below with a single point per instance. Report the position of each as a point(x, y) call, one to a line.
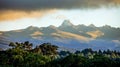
point(47, 55)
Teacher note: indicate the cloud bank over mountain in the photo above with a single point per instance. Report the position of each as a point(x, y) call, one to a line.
point(16, 14)
point(55, 4)
point(37, 12)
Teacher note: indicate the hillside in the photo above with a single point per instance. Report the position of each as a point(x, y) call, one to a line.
point(67, 35)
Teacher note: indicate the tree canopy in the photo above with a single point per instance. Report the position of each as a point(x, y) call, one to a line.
point(47, 55)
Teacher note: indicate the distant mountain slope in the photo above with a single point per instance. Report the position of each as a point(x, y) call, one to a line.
point(67, 35)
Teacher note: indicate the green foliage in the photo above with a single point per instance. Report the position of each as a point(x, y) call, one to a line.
point(46, 55)
point(25, 46)
point(22, 54)
point(48, 49)
point(73, 61)
point(33, 59)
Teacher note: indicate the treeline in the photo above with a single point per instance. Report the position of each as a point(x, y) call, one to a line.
point(47, 55)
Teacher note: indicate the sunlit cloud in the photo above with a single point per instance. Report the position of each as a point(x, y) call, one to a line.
point(19, 14)
point(59, 4)
point(16, 14)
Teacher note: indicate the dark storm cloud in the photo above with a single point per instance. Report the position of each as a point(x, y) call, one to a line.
point(50, 4)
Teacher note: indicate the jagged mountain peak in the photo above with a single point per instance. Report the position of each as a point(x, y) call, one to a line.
point(107, 26)
point(92, 25)
point(32, 28)
point(49, 29)
point(66, 23)
point(52, 26)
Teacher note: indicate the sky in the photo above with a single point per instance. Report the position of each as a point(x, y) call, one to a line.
point(19, 14)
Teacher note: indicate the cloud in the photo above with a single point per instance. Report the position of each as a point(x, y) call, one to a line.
point(17, 14)
point(95, 34)
point(61, 17)
point(14, 9)
point(51, 4)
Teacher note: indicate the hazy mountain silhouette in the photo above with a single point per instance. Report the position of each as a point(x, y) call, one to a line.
point(67, 35)
point(66, 23)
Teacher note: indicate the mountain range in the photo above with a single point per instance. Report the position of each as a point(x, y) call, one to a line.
point(67, 36)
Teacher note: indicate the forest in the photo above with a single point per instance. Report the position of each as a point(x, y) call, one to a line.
point(47, 55)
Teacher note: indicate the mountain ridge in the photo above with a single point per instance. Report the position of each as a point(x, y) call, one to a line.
point(67, 34)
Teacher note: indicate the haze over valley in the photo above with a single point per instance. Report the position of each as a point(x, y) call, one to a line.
point(67, 36)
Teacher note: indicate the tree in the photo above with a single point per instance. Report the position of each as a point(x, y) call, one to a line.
point(73, 60)
point(1, 49)
point(64, 53)
point(48, 49)
point(37, 50)
point(100, 61)
point(46, 55)
point(27, 45)
point(17, 60)
point(100, 52)
point(77, 52)
point(86, 51)
point(12, 44)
